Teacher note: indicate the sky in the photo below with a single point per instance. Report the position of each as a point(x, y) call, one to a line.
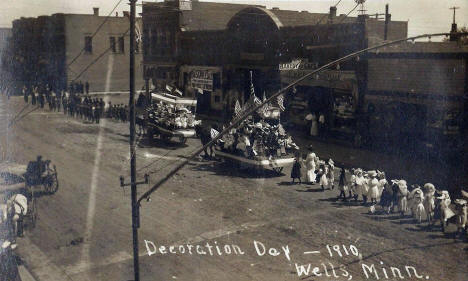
point(423, 16)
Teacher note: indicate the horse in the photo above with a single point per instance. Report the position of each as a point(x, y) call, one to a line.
point(204, 133)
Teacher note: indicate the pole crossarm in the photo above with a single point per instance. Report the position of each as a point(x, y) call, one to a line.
point(270, 99)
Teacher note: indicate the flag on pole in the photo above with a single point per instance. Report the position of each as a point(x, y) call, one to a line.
point(252, 88)
point(138, 33)
point(280, 100)
point(237, 108)
point(213, 133)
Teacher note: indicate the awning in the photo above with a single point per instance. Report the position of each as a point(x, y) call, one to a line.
point(168, 98)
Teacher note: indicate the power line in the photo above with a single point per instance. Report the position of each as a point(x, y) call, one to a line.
point(95, 32)
point(271, 99)
point(96, 59)
point(325, 15)
point(349, 13)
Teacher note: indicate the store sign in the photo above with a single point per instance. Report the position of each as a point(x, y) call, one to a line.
point(202, 80)
point(327, 78)
point(298, 64)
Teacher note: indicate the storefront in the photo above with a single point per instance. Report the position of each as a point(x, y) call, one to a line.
point(203, 83)
point(333, 93)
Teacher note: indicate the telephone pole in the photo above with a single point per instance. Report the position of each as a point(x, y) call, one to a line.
point(453, 31)
point(133, 183)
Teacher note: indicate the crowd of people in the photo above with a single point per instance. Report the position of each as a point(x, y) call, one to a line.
point(172, 117)
point(117, 112)
point(372, 189)
point(258, 139)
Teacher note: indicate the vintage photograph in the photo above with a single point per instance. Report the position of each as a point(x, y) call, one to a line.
point(233, 140)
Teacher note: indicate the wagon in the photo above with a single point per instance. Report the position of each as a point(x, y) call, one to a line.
point(164, 131)
point(276, 164)
point(13, 182)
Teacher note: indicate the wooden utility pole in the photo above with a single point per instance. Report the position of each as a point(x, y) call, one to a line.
point(133, 183)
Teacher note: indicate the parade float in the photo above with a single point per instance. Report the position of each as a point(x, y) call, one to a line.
point(258, 142)
point(171, 116)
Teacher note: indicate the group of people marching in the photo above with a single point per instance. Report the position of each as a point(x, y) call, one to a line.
point(75, 105)
point(117, 112)
point(373, 189)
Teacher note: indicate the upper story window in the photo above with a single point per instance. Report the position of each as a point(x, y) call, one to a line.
point(121, 45)
point(88, 48)
point(113, 46)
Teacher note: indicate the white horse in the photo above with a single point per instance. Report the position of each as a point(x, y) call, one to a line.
point(15, 209)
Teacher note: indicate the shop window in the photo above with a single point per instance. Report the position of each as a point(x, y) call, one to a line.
point(112, 44)
point(121, 45)
point(88, 44)
point(216, 81)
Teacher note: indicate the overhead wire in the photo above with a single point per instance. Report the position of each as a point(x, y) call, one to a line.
point(95, 32)
point(96, 59)
point(325, 15)
point(236, 122)
point(349, 13)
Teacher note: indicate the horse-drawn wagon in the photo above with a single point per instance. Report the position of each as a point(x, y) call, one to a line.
point(169, 117)
point(259, 142)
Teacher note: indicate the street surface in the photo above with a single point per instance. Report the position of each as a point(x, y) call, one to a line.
point(84, 230)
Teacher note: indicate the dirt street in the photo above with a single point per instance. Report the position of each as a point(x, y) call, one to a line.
point(248, 227)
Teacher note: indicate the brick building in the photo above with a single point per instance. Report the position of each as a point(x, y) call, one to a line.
point(418, 92)
point(62, 48)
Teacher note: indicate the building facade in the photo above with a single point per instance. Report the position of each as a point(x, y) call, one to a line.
point(64, 48)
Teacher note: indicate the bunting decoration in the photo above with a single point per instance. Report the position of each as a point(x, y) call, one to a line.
point(179, 92)
point(280, 99)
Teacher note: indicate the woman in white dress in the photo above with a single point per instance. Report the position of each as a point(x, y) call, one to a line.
point(313, 124)
point(323, 177)
point(373, 187)
point(310, 166)
point(359, 185)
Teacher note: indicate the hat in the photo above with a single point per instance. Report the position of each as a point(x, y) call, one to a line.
point(444, 195)
point(372, 173)
point(330, 161)
point(429, 187)
point(401, 183)
point(460, 202)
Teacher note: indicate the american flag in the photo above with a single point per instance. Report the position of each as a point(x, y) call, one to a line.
point(280, 99)
point(237, 108)
point(213, 133)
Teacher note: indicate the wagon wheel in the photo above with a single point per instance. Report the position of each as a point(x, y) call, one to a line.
point(278, 170)
point(182, 140)
point(150, 133)
point(51, 183)
point(165, 138)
